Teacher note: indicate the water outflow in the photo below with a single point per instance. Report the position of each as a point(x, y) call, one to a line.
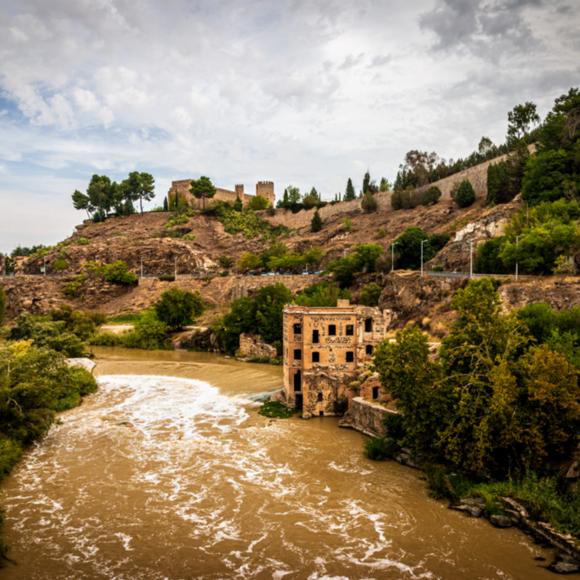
point(160, 477)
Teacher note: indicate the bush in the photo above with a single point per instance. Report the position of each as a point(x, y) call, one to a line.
point(72, 289)
point(316, 222)
point(178, 308)
point(431, 195)
point(411, 198)
point(276, 409)
point(548, 177)
point(463, 194)
point(258, 203)
point(370, 294)
point(321, 294)
point(82, 241)
point(60, 264)
point(118, 273)
point(347, 224)
point(408, 247)
point(150, 333)
point(369, 203)
point(226, 262)
point(379, 448)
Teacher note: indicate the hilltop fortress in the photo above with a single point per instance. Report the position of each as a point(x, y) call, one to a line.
point(179, 193)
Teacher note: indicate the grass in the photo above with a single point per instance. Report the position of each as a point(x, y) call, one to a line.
point(125, 318)
point(276, 409)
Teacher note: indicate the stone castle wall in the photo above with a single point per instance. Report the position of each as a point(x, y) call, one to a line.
point(366, 416)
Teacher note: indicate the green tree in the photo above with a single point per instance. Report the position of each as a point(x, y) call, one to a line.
point(178, 308)
point(366, 182)
point(520, 121)
point(203, 189)
point(81, 201)
point(248, 262)
point(408, 247)
point(463, 194)
point(316, 222)
point(369, 203)
point(165, 204)
point(548, 177)
point(312, 199)
point(321, 294)
point(349, 193)
point(139, 186)
point(384, 185)
point(258, 203)
point(485, 146)
point(370, 294)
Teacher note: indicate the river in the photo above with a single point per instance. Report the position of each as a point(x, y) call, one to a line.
point(168, 472)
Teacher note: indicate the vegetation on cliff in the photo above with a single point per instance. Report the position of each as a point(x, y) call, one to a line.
point(501, 401)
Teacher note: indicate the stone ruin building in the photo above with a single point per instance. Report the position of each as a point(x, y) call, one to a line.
point(325, 348)
point(179, 192)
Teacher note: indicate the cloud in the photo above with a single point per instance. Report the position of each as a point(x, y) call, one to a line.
point(299, 92)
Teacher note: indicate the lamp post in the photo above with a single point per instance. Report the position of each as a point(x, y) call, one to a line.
point(517, 257)
point(471, 258)
point(422, 242)
point(393, 256)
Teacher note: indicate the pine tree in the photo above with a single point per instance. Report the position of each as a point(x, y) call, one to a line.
point(316, 223)
point(165, 204)
point(349, 194)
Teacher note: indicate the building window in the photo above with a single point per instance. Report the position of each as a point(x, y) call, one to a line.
point(315, 357)
point(297, 354)
point(297, 381)
point(369, 325)
point(369, 349)
point(297, 328)
point(320, 397)
point(349, 330)
point(315, 337)
point(375, 392)
point(349, 356)
point(332, 330)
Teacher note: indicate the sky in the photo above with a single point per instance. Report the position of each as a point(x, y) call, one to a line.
point(301, 92)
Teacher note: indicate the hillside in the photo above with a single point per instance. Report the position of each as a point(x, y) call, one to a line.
point(203, 255)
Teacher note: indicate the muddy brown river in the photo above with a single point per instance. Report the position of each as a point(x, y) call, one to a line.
point(168, 472)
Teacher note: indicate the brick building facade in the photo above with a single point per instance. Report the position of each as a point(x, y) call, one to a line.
point(325, 348)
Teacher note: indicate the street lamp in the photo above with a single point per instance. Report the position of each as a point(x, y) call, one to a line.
point(422, 242)
point(471, 258)
point(393, 256)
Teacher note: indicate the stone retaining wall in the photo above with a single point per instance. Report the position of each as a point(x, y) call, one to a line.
point(367, 417)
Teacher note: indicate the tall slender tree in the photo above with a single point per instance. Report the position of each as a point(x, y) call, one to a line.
point(349, 194)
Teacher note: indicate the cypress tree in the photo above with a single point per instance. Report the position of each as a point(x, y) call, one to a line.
point(349, 194)
point(316, 223)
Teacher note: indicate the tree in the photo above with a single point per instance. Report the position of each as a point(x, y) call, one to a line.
point(258, 203)
point(316, 223)
point(349, 194)
point(203, 189)
point(485, 146)
point(369, 203)
point(81, 201)
point(520, 120)
point(178, 308)
point(370, 294)
point(165, 204)
point(463, 194)
point(548, 177)
point(384, 185)
point(312, 199)
point(366, 182)
point(321, 294)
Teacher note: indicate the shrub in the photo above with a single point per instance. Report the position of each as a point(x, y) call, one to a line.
point(316, 222)
point(226, 261)
point(258, 203)
point(463, 194)
point(150, 333)
point(276, 409)
point(370, 294)
point(60, 264)
point(82, 241)
point(321, 294)
point(379, 448)
point(430, 195)
point(381, 233)
point(369, 203)
point(178, 308)
point(347, 224)
point(72, 289)
point(408, 247)
point(118, 273)
point(548, 177)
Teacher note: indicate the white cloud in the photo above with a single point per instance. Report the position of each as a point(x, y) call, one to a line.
point(295, 91)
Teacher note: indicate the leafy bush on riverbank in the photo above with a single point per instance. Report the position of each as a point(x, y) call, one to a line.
point(149, 333)
point(378, 448)
point(276, 409)
point(35, 382)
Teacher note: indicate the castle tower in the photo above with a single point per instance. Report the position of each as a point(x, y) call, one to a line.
point(240, 190)
point(266, 189)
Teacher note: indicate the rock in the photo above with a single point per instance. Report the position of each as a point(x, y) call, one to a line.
point(564, 564)
point(82, 363)
point(472, 510)
point(253, 347)
point(501, 521)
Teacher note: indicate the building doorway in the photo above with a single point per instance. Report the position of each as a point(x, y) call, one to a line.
point(299, 401)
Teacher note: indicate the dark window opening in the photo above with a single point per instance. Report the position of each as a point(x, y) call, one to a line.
point(349, 356)
point(321, 414)
point(297, 354)
point(369, 325)
point(349, 330)
point(297, 381)
point(332, 330)
point(320, 397)
point(369, 349)
point(375, 392)
point(299, 402)
point(315, 338)
point(315, 357)
point(297, 328)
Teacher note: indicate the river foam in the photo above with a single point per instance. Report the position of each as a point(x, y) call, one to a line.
point(161, 477)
